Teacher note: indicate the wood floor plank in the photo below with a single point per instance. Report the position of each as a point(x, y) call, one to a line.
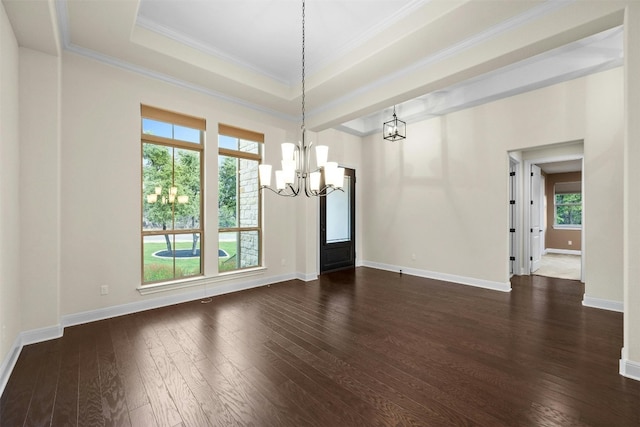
point(187, 405)
point(360, 347)
point(143, 416)
point(114, 405)
point(43, 399)
point(65, 411)
point(164, 408)
point(89, 394)
point(217, 413)
point(270, 414)
point(15, 405)
point(125, 353)
point(242, 410)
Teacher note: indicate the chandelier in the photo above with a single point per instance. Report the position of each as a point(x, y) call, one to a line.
point(395, 129)
point(296, 175)
point(171, 197)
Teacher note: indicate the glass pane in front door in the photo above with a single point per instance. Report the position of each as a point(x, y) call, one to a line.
point(339, 214)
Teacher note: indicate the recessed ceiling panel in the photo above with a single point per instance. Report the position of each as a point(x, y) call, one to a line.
point(266, 35)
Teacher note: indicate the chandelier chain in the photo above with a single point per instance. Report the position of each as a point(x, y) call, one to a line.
point(303, 66)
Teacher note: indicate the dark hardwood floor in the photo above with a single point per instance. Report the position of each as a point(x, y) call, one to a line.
point(355, 348)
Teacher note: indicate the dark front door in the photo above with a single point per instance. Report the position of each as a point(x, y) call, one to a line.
point(338, 226)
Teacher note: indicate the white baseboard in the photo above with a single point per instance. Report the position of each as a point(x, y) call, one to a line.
point(39, 335)
point(134, 307)
point(9, 363)
point(306, 277)
point(470, 281)
point(630, 369)
point(603, 304)
point(562, 251)
point(25, 338)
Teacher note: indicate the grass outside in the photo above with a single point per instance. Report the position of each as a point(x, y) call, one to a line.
point(231, 262)
point(156, 269)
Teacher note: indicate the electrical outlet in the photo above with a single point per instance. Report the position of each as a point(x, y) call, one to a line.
point(283, 261)
point(570, 243)
point(4, 332)
point(413, 257)
point(104, 289)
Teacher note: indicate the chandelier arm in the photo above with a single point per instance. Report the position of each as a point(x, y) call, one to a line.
point(281, 192)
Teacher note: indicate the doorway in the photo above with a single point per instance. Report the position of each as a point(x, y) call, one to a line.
point(338, 226)
point(554, 240)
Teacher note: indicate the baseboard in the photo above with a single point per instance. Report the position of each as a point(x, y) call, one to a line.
point(630, 369)
point(9, 363)
point(150, 304)
point(306, 277)
point(562, 251)
point(603, 304)
point(25, 338)
point(469, 281)
point(39, 335)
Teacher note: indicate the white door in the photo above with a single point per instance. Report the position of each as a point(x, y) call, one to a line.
point(536, 223)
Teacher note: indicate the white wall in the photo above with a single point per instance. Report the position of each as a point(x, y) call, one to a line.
point(39, 188)
point(630, 361)
point(440, 196)
point(100, 182)
point(10, 319)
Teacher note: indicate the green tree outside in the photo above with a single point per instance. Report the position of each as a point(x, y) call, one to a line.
point(569, 209)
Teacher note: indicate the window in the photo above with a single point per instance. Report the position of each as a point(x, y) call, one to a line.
point(239, 199)
point(172, 228)
point(568, 205)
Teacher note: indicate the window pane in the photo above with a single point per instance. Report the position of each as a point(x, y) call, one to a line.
point(187, 255)
point(249, 249)
point(157, 179)
point(171, 257)
point(187, 188)
point(157, 258)
point(249, 146)
point(227, 191)
point(238, 250)
point(227, 251)
point(237, 144)
point(569, 215)
point(565, 198)
point(186, 134)
point(154, 127)
point(569, 209)
point(249, 193)
point(227, 142)
point(338, 214)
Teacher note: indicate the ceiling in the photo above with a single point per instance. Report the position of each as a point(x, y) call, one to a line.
point(429, 57)
point(562, 166)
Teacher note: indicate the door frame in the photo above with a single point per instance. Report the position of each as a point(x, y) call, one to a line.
point(514, 191)
point(527, 212)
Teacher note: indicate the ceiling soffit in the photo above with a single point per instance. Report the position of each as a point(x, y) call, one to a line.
point(416, 57)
